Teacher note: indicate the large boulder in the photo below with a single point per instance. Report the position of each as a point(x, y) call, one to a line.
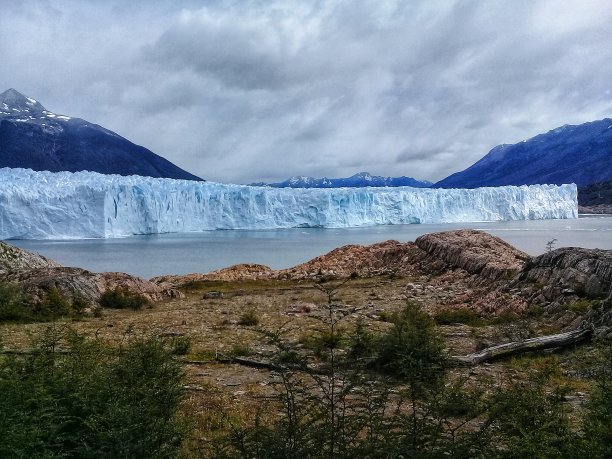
point(476, 252)
point(586, 272)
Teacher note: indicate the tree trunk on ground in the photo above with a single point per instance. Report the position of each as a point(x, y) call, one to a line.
point(528, 345)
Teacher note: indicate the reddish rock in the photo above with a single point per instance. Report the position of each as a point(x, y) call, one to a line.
point(476, 252)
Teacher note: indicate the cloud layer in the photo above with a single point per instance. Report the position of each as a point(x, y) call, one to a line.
point(242, 91)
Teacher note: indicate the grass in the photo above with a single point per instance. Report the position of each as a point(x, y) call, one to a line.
point(580, 307)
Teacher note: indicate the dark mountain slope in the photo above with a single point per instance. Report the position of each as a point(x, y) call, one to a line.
point(35, 138)
point(579, 154)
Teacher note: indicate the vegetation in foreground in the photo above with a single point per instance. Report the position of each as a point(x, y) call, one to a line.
point(348, 392)
point(395, 396)
point(73, 397)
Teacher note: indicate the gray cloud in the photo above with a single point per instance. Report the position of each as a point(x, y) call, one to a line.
point(250, 90)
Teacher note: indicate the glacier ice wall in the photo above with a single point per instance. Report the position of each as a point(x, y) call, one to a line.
point(41, 205)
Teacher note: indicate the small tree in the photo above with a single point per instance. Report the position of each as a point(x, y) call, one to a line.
point(413, 350)
point(550, 245)
point(13, 306)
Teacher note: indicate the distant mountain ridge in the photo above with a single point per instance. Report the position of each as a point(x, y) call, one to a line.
point(580, 154)
point(362, 179)
point(33, 137)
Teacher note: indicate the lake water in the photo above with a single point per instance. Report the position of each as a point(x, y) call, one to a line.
point(154, 255)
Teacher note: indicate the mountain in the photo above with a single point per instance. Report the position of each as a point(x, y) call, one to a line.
point(32, 137)
point(579, 154)
point(595, 198)
point(361, 179)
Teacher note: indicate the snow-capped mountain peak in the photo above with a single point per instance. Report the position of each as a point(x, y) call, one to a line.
point(12, 101)
point(34, 137)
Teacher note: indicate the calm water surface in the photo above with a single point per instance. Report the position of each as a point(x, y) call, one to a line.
point(180, 253)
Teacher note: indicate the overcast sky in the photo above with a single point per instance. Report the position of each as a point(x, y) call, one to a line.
point(242, 91)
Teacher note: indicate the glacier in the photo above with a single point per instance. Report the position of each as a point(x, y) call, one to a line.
point(46, 205)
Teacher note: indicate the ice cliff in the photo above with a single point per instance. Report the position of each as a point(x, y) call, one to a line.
point(40, 205)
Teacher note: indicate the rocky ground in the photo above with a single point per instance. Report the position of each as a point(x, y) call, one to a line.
point(509, 296)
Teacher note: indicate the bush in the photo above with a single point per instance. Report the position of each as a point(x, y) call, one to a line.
point(249, 318)
point(91, 401)
point(362, 343)
point(79, 304)
point(580, 307)
point(457, 316)
point(54, 305)
point(13, 306)
point(119, 298)
point(412, 349)
point(598, 416)
point(531, 420)
point(240, 350)
point(181, 345)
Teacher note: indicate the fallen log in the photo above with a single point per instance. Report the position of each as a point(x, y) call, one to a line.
point(518, 347)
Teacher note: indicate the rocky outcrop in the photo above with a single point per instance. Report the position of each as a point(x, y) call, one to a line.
point(244, 271)
point(13, 259)
point(37, 275)
point(570, 270)
point(477, 252)
point(389, 257)
point(73, 282)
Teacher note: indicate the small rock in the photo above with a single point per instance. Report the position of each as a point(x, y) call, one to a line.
point(212, 295)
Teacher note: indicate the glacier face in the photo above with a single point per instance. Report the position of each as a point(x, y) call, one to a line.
point(45, 205)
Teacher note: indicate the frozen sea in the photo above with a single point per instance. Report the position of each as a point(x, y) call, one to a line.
point(179, 253)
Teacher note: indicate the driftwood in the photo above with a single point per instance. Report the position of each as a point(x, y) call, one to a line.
point(518, 347)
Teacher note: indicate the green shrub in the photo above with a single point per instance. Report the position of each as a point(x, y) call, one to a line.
point(457, 316)
point(249, 318)
point(79, 304)
point(323, 342)
point(54, 305)
point(531, 420)
point(597, 419)
point(13, 306)
point(240, 350)
point(119, 298)
point(91, 401)
point(580, 307)
point(412, 349)
point(181, 345)
point(362, 343)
